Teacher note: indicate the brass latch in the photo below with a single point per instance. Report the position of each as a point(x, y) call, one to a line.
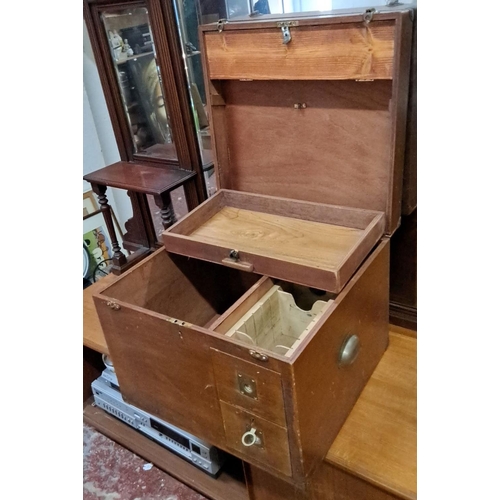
point(285, 29)
point(220, 24)
point(368, 15)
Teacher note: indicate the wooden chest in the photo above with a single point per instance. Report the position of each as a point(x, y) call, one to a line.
point(260, 322)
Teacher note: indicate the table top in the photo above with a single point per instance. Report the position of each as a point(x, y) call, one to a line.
point(140, 178)
point(378, 442)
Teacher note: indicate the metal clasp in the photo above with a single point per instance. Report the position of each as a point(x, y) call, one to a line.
point(220, 24)
point(368, 15)
point(234, 255)
point(285, 29)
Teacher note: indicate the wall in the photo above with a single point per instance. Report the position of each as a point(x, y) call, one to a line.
point(99, 144)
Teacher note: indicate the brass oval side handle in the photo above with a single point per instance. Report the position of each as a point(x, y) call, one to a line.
point(349, 350)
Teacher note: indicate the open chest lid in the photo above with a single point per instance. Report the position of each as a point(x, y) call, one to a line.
point(308, 122)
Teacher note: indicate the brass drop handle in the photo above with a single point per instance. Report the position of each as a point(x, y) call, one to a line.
point(250, 438)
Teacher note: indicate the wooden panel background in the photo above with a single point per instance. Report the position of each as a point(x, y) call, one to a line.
point(346, 128)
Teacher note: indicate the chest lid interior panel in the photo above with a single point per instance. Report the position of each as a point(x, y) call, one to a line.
point(308, 138)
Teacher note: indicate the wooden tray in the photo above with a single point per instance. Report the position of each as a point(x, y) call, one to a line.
point(312, 244)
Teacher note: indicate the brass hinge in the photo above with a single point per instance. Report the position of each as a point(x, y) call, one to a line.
point(285, 29)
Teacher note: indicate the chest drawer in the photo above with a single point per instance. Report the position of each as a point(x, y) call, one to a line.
point(257, 439)
point(249, 386)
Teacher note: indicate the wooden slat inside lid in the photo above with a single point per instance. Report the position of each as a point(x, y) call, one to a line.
point(316, 52)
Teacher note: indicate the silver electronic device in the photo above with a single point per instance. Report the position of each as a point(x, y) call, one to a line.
point(108, 397)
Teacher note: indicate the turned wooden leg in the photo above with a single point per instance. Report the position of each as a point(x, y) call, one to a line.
point(164, 203)
point(119, 258)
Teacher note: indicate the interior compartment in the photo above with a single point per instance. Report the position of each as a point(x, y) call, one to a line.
point(188, 290)
point(275, 316)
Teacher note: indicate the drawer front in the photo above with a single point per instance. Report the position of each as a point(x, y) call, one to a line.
point(328, 52)
point(249, 386)
point(256, 439)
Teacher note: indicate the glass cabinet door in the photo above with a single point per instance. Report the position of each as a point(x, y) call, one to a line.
point(133, 54)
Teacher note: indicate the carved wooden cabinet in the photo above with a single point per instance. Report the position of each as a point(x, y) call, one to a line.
point(260, 322)
point(140, 57)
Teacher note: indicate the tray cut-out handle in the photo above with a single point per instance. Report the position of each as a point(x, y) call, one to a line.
point(237, 264)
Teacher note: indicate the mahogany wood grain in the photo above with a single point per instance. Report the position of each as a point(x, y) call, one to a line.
point(268, 403)
point(230, 484)
point(274, 452)
point(325, 392)
point(315, 52)
point(378, 442)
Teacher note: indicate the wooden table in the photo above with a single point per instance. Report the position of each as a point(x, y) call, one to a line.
point(143, 180)
point(372, 458)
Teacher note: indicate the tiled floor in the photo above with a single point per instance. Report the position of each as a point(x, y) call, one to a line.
point(111, 472)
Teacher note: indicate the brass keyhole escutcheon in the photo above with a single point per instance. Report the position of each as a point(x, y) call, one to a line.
point(247, 386)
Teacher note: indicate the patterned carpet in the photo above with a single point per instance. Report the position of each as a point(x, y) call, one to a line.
point(111, 472)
